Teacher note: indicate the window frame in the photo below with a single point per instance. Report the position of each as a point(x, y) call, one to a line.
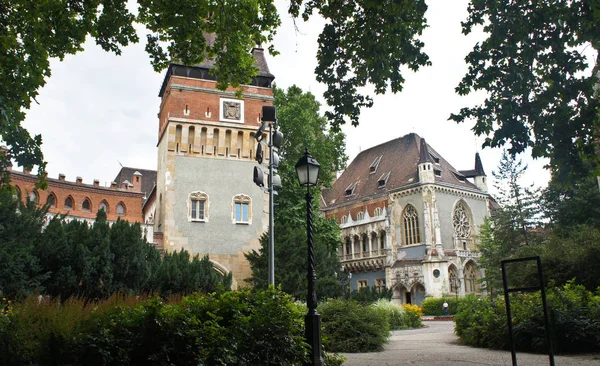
point(193, 211)
point(412, 235)
point(89, 202)
point(121, 204)
point(241, 200)
point(72, 202)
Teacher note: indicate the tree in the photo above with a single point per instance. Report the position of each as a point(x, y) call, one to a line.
point(520, 205)
point(303, 127)
point(541, 93)
point(20, 227)
point(364, 42)
point(514, 226)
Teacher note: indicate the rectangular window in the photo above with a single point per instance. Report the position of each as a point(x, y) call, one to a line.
point(241, 212)
point(361, 284)
point(198, 210)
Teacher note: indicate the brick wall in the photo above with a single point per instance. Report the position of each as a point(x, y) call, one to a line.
point(62, 189)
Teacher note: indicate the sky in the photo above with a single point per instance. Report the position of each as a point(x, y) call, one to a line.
point(98, 111)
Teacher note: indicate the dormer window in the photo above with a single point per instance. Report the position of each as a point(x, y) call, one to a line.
point(438, 173)
point(377, 211)
point(344, 219)
point(374, 165)
point(383, 179)
point(350, 189)
point(436, 159)
point(360, 216)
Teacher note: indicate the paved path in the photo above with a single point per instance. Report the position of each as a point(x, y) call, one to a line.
point(436, 344)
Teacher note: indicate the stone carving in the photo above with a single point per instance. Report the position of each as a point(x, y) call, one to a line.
point(232, 110)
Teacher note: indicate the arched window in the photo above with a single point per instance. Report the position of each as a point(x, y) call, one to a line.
point(470, 277)
point(242, 209)
point(86, 205)
point(377, 211)
point(103, 206)
point(33, 197)
point(69, 202)
point(198, 206)
point(17, 194)
point(51, 200)
point(344, 219)
point(360, 216)
point(461, 223)
point(348, 248)
point(121, 209)
point(411, 226)
point(382, 243)
point(453, 280)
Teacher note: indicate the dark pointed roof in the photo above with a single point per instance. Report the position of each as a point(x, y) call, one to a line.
point(400, 157)
point(424, 156)
point(477, 172)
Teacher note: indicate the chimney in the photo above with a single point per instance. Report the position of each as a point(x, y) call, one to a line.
point(26, 171)
point(79, 180)
point(125, 184)
point(61, 176)
point(113, 184)
point(137, 181)
point(96, 183)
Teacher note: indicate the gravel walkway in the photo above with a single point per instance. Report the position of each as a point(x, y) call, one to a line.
point(436, 344)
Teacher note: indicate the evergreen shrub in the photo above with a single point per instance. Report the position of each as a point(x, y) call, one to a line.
point(348, 326)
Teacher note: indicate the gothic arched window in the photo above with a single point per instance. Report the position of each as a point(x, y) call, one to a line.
point(461, 222)
point(121, 209)
point(453, 279)
point(51, 201)
point(470, 277)
point(411, 226)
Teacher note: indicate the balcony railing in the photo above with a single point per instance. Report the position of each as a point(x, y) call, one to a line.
point(468, 254)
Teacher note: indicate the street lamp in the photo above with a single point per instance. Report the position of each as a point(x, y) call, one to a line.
point(307, 169)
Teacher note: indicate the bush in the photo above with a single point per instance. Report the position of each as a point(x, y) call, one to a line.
point(434, 305)
point(394, 313)
point(574, 318)
point(348, 326)
point(233, 328)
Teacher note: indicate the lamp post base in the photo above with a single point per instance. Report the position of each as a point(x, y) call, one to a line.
point(313, 337)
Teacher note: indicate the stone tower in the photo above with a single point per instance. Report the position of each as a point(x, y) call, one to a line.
point(206, 201)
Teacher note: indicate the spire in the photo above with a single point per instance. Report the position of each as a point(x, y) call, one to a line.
point(424, 156)
point(478, 166)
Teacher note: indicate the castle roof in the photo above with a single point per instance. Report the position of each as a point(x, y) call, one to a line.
point(391, 166)
point(202, 70)
point(148, 178)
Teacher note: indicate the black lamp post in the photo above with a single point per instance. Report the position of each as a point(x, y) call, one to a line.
point(307, 169)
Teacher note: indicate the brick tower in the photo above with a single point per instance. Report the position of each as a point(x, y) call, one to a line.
point(206, 201)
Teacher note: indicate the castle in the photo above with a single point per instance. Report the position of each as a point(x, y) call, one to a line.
point(408, 219)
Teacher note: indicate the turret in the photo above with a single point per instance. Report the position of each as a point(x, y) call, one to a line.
point(426, 164)
point(480, 177)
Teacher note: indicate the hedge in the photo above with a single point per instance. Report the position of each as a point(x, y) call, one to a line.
point(234, 328)
point(434, 305)
point(574, 317)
